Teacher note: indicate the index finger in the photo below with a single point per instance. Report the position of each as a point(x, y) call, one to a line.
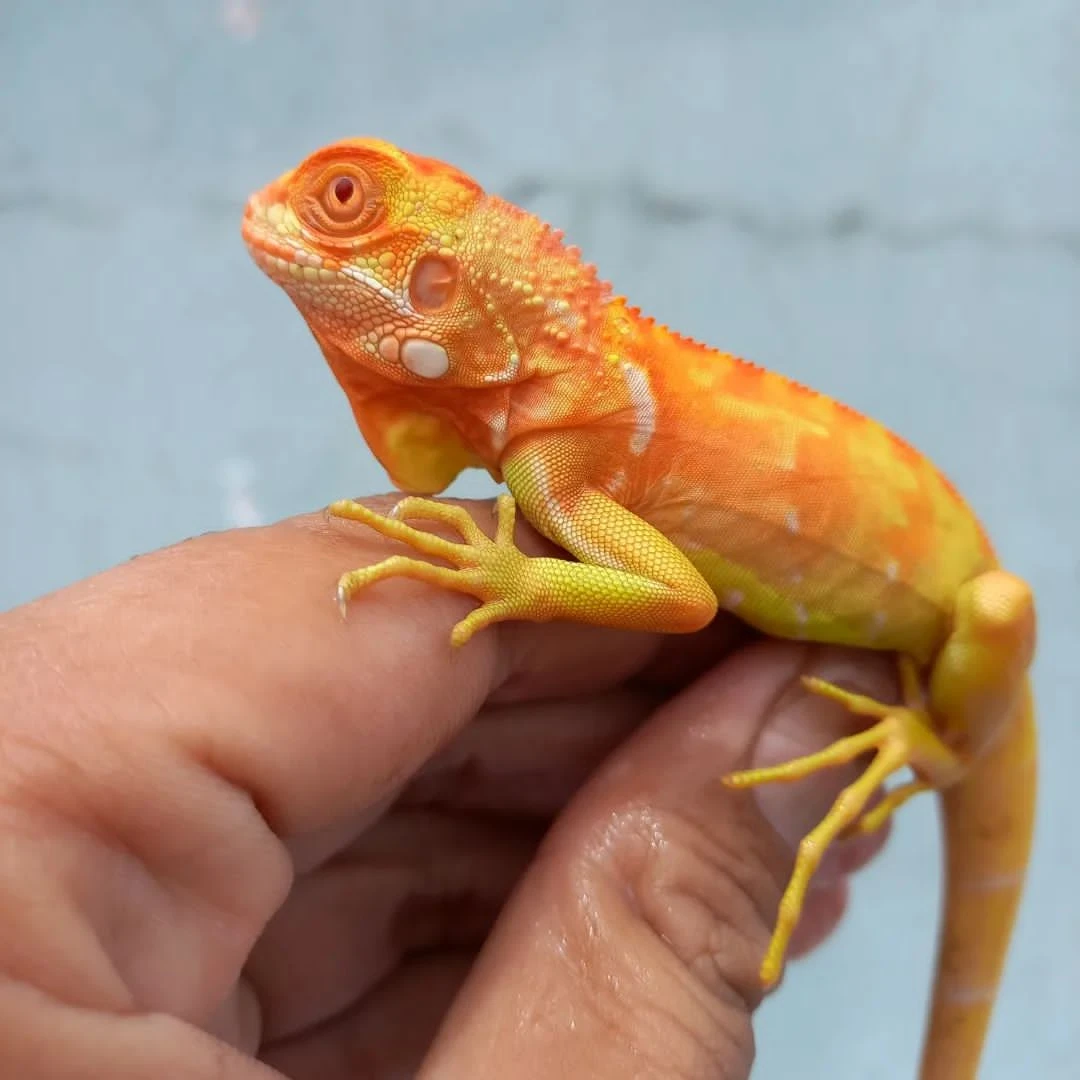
point(229, 649)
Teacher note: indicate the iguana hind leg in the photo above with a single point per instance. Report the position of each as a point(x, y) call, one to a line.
point(903, 736)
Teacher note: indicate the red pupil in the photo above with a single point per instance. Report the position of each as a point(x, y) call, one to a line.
point(344, 189)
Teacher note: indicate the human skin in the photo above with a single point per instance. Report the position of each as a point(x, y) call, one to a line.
point(241, 838)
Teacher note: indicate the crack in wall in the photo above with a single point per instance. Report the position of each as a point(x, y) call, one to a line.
point(847, 222)
point(644, 203)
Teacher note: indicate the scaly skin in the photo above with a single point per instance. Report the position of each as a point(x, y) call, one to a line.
point(683, 480)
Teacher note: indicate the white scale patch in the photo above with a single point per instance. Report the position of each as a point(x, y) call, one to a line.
point(508, 373)
point(424, 358)
point(497, 424)
point(968, 996)
point(401, 305)
point(641, 397)
point(994, 882)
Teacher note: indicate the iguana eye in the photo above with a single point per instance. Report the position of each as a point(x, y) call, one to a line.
point(343, 200)
point(348, 198)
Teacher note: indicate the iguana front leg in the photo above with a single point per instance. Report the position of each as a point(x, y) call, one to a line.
point(628, 575)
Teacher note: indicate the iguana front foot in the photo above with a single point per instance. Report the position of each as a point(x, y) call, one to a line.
point(494, 571)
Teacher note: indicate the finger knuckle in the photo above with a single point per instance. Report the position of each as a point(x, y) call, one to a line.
point(704, 893)
point(698, 903)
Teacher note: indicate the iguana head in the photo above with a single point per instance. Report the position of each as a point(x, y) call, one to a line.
point(405, 269)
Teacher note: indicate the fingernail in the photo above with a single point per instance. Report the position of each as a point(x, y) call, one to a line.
point(802, 722)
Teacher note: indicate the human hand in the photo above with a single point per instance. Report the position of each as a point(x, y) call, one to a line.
point(240, 836)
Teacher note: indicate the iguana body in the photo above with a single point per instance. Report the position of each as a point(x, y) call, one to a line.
point(683, 480)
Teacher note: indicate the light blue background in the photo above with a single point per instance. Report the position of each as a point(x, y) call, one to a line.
point(878, 199)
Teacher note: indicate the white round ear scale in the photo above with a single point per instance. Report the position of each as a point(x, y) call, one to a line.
point(424, 358)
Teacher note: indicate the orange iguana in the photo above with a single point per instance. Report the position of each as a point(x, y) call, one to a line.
point(683, 480)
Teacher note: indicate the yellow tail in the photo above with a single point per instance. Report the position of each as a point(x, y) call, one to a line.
point(989, 819)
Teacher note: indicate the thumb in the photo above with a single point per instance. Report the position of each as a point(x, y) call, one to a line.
point(632, 945)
